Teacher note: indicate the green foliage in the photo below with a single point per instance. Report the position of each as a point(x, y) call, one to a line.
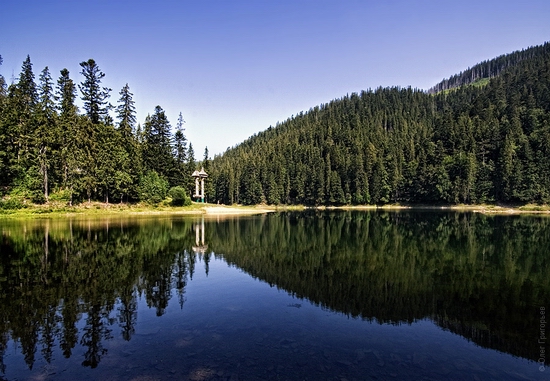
point(157, 149)
point(11, 203)
point(28, 188)
point(179, 196)
point(487, 140)
point(45, 144)
point(152, 188)
point(484, 142)
point(64, 195)
point(93, 95)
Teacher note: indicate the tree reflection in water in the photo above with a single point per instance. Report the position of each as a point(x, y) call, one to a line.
point(483, 277)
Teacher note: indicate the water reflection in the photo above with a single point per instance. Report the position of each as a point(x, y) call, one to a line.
point(71, 282)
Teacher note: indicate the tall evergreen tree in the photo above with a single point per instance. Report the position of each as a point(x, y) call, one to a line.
point(70, 149)
point(26, 87)
point(3, 86)
point(126, 112)
point(180, 153)
point(46, 136)
point(22, 118)
point(129, 162)
point(66, 95)
point(180, 141)
point(157, 149)
point(94, 96)
point(191, 166)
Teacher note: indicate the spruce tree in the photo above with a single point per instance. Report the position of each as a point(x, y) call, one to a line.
point(94, 96)
point(24, 98)
point(126, 112)
point(3, 87)
point(129, 162)
point(45, 135)
point(180, 153)
point(157, 149)
point(68, 127)
point(190, 167)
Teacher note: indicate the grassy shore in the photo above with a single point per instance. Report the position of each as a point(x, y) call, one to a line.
point(481, 208)
point(56, 209)
point(101, 209)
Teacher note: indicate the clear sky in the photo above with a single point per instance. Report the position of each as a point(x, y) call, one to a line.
point(235, 67)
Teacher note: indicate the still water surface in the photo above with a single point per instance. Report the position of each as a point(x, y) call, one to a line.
point(297, 296)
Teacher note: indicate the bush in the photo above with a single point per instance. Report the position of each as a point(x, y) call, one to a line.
point(11, 203)
point(61, 195)
point(179, 196)
point(37, 197)
point(30, 188)
point(152, 188)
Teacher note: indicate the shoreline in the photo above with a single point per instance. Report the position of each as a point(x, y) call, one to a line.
point(97, 209)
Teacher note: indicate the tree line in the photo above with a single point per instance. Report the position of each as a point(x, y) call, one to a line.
point(51, 150)
point(488, 69)
point(472, 144)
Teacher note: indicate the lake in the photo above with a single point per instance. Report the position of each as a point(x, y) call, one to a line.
point(415, 295)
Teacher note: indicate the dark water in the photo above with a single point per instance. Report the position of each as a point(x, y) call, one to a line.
point(291, 296)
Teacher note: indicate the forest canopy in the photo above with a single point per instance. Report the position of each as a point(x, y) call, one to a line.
point(481, 136)
point(51, 150)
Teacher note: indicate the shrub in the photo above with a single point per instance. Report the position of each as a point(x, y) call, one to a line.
point(152, 188)
point(11, 203)
point(61, 195)
point(179, 196)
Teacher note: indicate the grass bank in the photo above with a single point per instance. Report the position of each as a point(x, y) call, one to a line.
point(481, 208)
point(99, 209)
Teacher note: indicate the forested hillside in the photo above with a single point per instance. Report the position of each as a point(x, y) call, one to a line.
point(50, 150)
point(463, 141)
point(488, 69)
point(474, 144)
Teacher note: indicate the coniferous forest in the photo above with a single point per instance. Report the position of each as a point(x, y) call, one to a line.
point(51, 150)
point(481, 136)
point(484, 138)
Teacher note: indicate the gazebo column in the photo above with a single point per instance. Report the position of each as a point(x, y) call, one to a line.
point(199, 193)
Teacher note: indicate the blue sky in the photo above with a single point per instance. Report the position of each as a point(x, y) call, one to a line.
point(234, 68)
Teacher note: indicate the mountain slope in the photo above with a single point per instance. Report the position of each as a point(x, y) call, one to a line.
point(475, 144)
point(490, 68)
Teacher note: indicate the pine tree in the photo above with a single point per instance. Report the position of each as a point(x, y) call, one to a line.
point(45, 136)
point(190, 167)
point(180, 153)
point(157, 149)
point(26, 87)
point(68, 129)
point(66, 95)
point(126, 113)
point(208, 186)
point(24, 98)
point(129, 161)
point(94, 96)
point(3, 87)
point(180, 141)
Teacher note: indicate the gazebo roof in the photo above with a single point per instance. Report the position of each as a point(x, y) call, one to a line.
point(202, 173)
